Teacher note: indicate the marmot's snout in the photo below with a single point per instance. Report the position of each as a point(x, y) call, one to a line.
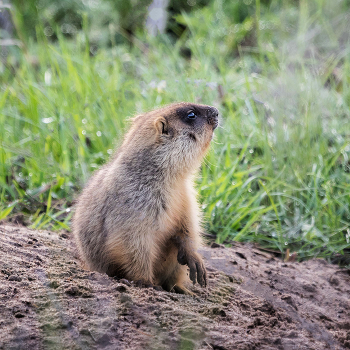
point(213, 117)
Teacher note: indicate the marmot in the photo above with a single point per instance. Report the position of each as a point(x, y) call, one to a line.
point(138, 217)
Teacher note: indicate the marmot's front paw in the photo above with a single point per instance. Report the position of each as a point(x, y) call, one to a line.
point(196, 265)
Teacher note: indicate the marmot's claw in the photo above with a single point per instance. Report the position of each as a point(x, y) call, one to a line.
point(198, 272)
point(193, 270)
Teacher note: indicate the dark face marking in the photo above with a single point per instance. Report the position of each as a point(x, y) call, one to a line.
point(190, 116)
point(196, 116)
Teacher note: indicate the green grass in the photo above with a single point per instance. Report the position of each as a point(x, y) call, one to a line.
point(278, 172)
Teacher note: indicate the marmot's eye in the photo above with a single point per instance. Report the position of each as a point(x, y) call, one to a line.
point(191, 115)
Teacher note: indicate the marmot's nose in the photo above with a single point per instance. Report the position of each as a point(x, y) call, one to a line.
point(213, 117)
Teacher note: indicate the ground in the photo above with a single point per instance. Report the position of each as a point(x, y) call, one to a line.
point(254, 301)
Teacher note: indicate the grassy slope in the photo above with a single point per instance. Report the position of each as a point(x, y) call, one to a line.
point(278, 171)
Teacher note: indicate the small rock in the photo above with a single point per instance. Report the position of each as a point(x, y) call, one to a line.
point(15, 278)
point(242, 256)
point(309, 288)
point(104, 340)
point(277, 341)
point(210, 268)
point(54, 284)
point(257, 322)
point(292, 334)
point(67, 325)
point(125, 298)
point(85, 331)
point(124, 281)
point(86, 295)
point(173, 297)
point(288, 299)
point(218, 347)
point(216, 245)
point(218, 311)
point(73, 291)
point(6, 272)
point(121, 288)
point(273, 321)
point(334, 281)
point(325, 317)
point(19, 311)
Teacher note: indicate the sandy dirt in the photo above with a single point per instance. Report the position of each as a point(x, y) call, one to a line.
point(254, 301)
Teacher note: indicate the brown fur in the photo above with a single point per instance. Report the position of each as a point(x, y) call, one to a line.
point(138, 217)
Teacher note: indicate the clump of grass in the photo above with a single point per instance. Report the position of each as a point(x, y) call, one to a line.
point(278, 170)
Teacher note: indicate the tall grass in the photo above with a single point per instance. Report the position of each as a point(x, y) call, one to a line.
point(278, 170)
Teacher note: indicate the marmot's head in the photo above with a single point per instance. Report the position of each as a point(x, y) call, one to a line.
point(179, 134)
point(187, 123)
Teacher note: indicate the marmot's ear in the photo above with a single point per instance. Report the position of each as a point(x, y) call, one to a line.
point(135, 117)
point(161, 125)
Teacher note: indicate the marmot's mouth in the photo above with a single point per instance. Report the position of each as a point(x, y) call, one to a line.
point(213, 120)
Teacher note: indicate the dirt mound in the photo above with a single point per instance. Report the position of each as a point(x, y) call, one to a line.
point(254, 301)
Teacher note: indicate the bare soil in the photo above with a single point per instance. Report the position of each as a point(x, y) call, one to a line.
point(254, 301)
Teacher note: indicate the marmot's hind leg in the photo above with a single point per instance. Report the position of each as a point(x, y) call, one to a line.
point(175, 281)
point(182, 290)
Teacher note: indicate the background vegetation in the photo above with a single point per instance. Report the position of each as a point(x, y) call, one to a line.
point(278, 173)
